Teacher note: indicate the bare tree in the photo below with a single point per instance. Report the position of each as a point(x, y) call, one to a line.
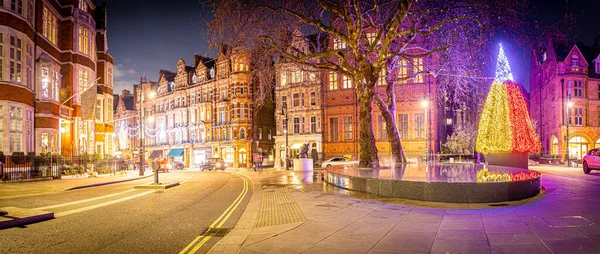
point(373, 38)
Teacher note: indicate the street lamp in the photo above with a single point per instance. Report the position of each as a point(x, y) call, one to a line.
point(425, 104)
point(285, 132)
point(142, 131)
point(569, 106)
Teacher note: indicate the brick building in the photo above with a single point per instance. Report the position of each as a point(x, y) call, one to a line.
point(50, 51)
point(416, 114)
point(126, 117)
point(566, 74)
point(207, 110)
point(299, 108)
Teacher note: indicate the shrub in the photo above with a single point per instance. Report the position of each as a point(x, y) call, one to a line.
point(17, 157)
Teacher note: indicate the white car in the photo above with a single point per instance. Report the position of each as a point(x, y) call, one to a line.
point(591, 160)
point(335, 161)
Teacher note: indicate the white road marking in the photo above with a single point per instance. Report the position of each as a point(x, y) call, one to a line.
point(87, 208)
point(83, 201)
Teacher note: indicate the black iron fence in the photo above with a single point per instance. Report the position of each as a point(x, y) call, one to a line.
point(19, 168)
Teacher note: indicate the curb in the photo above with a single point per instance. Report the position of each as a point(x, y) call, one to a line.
point(107, 183)
point(18, 217)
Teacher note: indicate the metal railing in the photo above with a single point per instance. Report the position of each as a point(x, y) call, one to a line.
point(20, 168)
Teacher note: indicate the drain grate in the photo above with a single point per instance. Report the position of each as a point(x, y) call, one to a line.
point(217, 232)
point(278, 208)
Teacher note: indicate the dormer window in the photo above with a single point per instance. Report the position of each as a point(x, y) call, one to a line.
point(338, 43)
point(598, 67)
point(575, 61)
point(194, 78)
point(83, 6)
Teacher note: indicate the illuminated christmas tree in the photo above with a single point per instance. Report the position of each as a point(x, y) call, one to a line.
point(505, 126)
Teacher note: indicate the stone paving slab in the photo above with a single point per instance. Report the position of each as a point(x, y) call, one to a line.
point(341, 222)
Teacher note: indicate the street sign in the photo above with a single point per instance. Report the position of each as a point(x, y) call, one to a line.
point(154, 165)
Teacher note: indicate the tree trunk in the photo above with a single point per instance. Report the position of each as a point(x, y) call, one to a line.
point(368, 149)
point(393, 136)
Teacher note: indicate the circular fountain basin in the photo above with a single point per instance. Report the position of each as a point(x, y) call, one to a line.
point(441, 182)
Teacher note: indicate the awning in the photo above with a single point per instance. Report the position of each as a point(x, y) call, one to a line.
point(175, 152)
point(156, 154)
point(296, 146)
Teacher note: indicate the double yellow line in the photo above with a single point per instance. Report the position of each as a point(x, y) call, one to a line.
point(197, 243)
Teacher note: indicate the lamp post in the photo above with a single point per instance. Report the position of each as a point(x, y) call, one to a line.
point(285, 132)
point(142, 131)
point(425, 104)
point(569, 105)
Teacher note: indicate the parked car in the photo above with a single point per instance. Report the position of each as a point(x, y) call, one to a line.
point(213, 164)
point(591, 160)
point(335, 161)
point(177, 165)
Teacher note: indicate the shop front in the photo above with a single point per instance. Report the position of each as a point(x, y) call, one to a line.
point(201, 154)
point(176, 154)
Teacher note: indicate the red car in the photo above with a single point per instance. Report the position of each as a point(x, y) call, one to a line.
point(591, 160)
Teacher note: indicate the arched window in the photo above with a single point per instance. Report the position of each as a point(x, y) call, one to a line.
point(575, 61)
point(242, 133)
point(554, 150)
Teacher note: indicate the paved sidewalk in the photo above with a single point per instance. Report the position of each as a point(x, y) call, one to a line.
point(34, 188)
point(561, 221)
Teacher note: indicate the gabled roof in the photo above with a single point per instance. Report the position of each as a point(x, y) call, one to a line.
point(129, 103)
point(168, 75)
point(590, 53)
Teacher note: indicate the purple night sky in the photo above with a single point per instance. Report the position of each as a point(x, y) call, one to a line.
point(145, 36)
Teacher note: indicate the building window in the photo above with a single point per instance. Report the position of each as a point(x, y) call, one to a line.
point(403, 125)
point(83, 40)
point(16, 63)
point(284, 102)
point(381, 78)
point(83, 83)
point(575, 61)
point(578, 89)
point(333, 129)
point(338, 43)
point(371, 37)
point(313, 124)
point(313, 98)
point(283, 78)
point(598, 83)
point(295, 100)
point(45, 82)
point(16, 129)
point(243, 133)
point(259, 134)
point(381, 128)
point(347, 82)
point(333, 81)
point(83, 5)
point(297, 76)
point(17, 6)
point(49, 25)
point(1, 55)
point(419, 126)
point(578, 116)
point(296, 125)
point(99, 110)
point(402, 71)
point(44, 142)
point(418, 67)
point(598, 67)
point(284, 125)
point(347, 128)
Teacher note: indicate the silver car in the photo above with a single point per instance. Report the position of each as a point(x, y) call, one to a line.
point(336, 161)
point(591, 160)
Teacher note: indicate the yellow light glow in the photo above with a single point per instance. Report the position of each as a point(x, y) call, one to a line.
point(495, 132)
